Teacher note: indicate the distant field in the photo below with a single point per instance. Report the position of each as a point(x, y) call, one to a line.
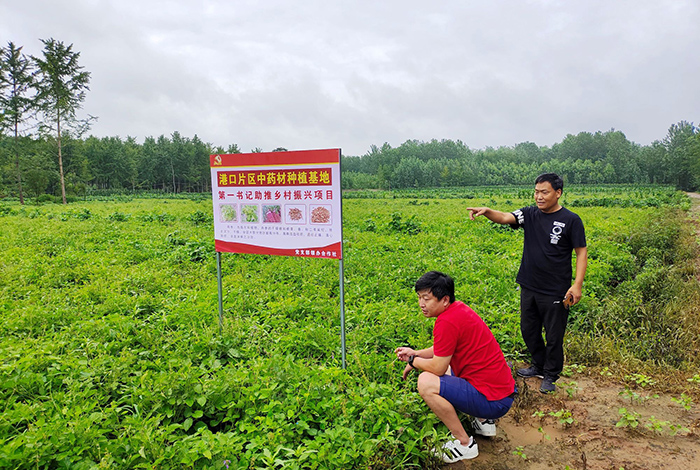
point(111, 356)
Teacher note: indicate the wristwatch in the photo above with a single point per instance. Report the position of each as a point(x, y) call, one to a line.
point(410, 361)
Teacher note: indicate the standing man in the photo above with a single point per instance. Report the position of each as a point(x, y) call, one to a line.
point(551, 233)
point(463, 370)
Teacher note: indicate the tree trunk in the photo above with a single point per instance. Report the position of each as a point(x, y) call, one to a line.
point(172, 170)
point(60, 157)
point(19, 174)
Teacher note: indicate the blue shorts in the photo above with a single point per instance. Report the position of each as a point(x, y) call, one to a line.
point(465, 398)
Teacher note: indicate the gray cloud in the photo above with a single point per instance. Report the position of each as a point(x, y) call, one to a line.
point(314, 74)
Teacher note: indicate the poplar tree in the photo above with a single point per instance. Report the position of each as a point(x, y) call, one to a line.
point(60, 93)
point(16, 105)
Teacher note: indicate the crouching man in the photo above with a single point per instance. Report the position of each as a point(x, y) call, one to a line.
point(464, 370)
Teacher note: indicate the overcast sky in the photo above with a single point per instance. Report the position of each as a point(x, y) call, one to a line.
point(350, 74)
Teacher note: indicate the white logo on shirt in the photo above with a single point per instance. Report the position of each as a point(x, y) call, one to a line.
point(519, 216)
point(557, 228)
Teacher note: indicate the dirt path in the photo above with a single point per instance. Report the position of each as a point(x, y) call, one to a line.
point(535, 436)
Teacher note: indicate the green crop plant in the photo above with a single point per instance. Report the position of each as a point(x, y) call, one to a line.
point(641, 380)
point(570, 387)
point(635, 397)
point(684, 400)
point(565, 417)
point(656, 425)
point(571, 369)
point(628, 419)
point(520, 452)
point(111, 353)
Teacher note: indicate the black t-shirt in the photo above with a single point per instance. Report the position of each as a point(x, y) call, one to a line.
point(549, 240)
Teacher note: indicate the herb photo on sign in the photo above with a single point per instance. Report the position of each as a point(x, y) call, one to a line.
point(272, 214)
point(228, 213)
point(249, 213)
point(295, 214)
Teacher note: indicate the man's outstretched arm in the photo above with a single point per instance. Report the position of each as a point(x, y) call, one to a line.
point(491, 214)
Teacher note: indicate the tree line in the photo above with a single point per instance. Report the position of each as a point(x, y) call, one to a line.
point(585, 158)
point(43, 149)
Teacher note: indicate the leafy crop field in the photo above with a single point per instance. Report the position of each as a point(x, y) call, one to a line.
point(111, 355)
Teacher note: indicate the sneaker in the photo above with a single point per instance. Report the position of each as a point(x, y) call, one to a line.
point(485, 428)
point(454, 451)
point(532, 371)
point(548, 385)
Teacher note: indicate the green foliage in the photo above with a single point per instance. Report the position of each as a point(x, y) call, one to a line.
point(628, 419)
point(656, 425)
point(585, 158)
point(645, 314)
point(118, 216)
point(571, 369)
point(635, 397)
point(520, 452)
point(200, 218)
point(399, 225)
point(684, 400)
point(571, 387)
point(111, 355)
point(640, 379)
point(565, 417)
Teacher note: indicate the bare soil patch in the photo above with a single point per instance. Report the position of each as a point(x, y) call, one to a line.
point(526, 440)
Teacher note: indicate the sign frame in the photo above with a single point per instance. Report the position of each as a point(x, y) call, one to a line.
point(312, 225)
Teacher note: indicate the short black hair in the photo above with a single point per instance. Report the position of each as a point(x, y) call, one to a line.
point(551, 178)
point(439, 284)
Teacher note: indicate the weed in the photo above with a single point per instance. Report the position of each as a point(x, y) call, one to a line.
point(571, 369)
point(656, 425)
point(684, 400)
point(370, 226)
point(565, 417)
point(200, 218)
point(635, 397)
point(676, 428)
point(118, 216)
point(520, 452)
point(571, 387)
point(628, 419)
point(641, 380)
point(398, 224)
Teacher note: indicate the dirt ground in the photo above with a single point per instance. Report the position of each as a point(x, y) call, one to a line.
point(592, 441)
point(534, 435)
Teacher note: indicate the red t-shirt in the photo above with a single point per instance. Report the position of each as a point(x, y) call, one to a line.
point(476, 356)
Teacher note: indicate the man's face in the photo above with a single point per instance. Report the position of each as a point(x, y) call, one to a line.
point(430, 305)
point(546, 197)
